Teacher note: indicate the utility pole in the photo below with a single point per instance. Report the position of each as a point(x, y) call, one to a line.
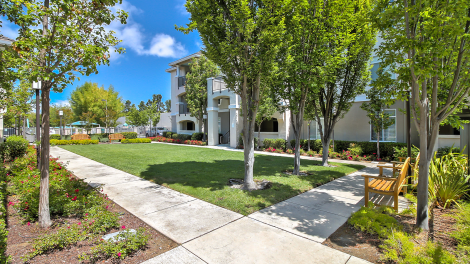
point(37, 87)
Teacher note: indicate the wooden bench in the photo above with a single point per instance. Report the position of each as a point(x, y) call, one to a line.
point(80, 137)
point(115, 137)
point(396, 165)
point(386, 185)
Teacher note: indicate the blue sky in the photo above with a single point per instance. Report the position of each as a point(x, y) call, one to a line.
point(151, 42)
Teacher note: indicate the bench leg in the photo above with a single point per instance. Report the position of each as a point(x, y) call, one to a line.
point(366, 193)
point(395, 202)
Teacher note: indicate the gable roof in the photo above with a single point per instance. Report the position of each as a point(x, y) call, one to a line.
point(6, 41)
point(194, 55)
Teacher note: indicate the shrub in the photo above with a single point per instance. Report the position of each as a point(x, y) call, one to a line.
point(54, 136)
point(73, 142)
point(448, 179)
point(174, 136)
point(403, 152)
point(310, 153)
point(399, 248)
point(136, 140)
point(104, 140)
point(446, 150)
point(129, 135)
point(197, 136)
point(289, 151)
point(184, 137)
point(14, 147)
point(355, 149)
point(387, 149)
point(268, 143)
point(167, 134)
point(374, 221)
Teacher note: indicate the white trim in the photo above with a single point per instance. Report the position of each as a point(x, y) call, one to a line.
point(171, 69)
point(194, 55)
point(174, 114)
point(233, 106)
point(209, 109)
point(225, 110)
point(449, 136)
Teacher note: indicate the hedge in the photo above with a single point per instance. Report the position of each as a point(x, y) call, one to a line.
point(275, 143)
point(129, 135)
point(73, 142)
point(14, 147)
point(167, 134)
point(3, 227)
point(368, 148)
point(197, 136)
point(54, 136)
point(136, 140)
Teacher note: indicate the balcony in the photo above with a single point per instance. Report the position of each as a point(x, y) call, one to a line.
point(181, 81)
point(218, 86)
point(183, 109)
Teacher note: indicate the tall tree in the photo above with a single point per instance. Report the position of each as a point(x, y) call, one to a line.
point(345, 64)
point(137, 117)
point(378, 118)
point(425, 44)
point(196, 88)
point(242, 38)
point(67, 117)
point(127, 106)
point(168, 106)
point(57, 40)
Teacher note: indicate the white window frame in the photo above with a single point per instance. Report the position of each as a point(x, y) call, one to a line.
point(317, 134)
point(382, 136)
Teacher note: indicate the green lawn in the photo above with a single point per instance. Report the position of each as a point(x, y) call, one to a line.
point(204, 173)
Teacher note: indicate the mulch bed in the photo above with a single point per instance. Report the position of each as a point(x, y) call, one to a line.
point(365, 246)
point(20, 238)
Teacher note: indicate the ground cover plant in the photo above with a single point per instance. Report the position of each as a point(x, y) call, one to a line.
point(204, 173)
point(80, 214)
point(73, 142)
point(136, 140)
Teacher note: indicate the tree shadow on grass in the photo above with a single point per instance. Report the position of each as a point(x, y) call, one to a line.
point(209, 180)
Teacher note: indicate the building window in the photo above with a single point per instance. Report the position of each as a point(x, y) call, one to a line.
point(448, 130)
point(389, 134)
point(315, 129)
point(270, 125)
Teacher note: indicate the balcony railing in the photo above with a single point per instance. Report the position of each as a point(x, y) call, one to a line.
point(183, 109)
point(181, 81)
point(218, 86)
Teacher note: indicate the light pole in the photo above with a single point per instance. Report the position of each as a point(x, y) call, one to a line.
point(106, 113)
point(37, 87)
point(61, 113)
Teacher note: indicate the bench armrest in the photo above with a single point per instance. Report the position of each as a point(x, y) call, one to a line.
point(378, 177)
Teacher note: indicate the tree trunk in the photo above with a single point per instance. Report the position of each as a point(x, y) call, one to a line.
point(378, 146)
point(248, 145)
point(325, 144)
point(297, 154)
point(422, 214)
point(44, 214)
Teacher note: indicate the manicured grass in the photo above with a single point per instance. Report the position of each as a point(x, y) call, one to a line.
point(204, 173)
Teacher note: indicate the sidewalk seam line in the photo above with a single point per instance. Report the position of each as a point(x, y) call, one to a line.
point(171, 206)
point(194, 254)
point(213, 230)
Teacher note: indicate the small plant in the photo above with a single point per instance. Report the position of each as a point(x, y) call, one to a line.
point(136, 140)
point(403, 152)
point(289, 151)
point(302, 151)
point(118, 247)
point(374, 221)
point(310, 153)
point(355, 149)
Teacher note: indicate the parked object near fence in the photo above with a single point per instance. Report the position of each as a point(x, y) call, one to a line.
point(80, 137)
point(116, 137)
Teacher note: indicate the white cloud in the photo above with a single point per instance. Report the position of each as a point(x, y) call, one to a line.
point(62, 102)
point(181, 8)
point(133, 37)
point(166, 46)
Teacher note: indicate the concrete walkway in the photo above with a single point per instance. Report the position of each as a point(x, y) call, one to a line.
point(288, 232)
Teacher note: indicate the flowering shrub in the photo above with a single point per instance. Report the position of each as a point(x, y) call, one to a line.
point(136, 140)
point(73, 142)
point(311, 153)
point(195, 142)
point(355, 149)
point(289, 151)
point(270, 149)
point(179, 141)
point(69, 197)
point(14, 147)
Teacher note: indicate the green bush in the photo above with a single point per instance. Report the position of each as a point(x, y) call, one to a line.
point(387, 149)
point(374, 221)
point(167, 134)
point(174, 136)
point(448, 179)
point(399, 248)
point(54, 136)
point(104, 140)
point(183, 137)
point(446, 150)
point(73, 142)
point(355, 150)
point(136, 140)
point(129, 135)
point(315, 145)
point(403, 152)
point(14, 147)
point(197, 136)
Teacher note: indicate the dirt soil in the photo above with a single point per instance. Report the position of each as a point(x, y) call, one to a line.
point(365, 246)
point(21, 236)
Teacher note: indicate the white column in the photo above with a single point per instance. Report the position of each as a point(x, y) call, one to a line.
point(213, 126)
point(234, 125)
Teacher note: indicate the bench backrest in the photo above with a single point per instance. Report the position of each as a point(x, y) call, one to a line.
point(116, 136)
point(80, 136)
point(402, 176)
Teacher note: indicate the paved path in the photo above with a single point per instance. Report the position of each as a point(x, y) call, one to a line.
point(288, 232)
